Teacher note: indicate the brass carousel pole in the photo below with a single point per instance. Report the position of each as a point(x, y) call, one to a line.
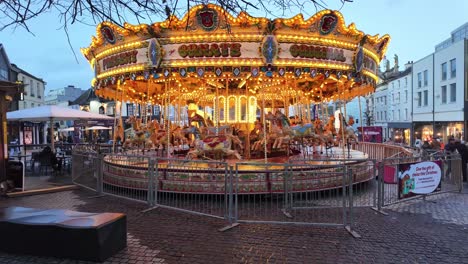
point(360, 117)
point(168, 129)
point(115, 116)
point(264, 126)
point(217, 110)
point(247, 143)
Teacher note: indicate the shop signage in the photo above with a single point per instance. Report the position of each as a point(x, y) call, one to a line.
point(210, 50)
point(419, 178)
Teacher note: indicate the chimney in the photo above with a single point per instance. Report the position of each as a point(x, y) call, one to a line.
point(408, 64)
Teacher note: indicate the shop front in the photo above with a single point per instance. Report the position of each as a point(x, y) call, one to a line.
point(442, 130)
point(400, 133)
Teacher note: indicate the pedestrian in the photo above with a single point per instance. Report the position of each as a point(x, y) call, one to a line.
point(436, 144)
point(463, 151)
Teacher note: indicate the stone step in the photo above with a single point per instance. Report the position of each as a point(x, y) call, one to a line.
point(42, 191)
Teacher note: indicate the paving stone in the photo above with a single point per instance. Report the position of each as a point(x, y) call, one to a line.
point(434, 231)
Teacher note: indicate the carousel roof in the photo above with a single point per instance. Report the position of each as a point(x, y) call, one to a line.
point(209, 52)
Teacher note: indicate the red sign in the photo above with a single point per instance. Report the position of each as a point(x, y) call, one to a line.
point(371, 134)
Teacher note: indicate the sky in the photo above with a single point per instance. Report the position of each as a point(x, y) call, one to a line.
point(415, 27)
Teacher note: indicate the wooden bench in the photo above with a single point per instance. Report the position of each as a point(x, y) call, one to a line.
point(62, 233)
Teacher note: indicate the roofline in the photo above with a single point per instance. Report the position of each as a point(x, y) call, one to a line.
point(18, 70)
point(3, 50)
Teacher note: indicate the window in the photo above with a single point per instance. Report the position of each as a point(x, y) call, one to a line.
point(32, 105)
point(425, 78)
point(38, 90)
point(444, 94)
point(398, 117)
point(444, 71)
point(3, 74)
point(385, 97)
point(419, 79)
point(31, 88)
point(393, 115)
point(406, 81)
point(25, 105)
point(406, 96)
point(406, 113)
point(398, 98)
point(129, 109)
point(453, 68)
point(399, 84)
point(385, 112)
point(419, 99)
point(426, 97)
point(453, 92)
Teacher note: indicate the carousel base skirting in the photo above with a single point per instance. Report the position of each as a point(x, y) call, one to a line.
point(252, 177)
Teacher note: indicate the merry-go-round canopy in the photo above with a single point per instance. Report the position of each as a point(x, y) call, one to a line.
point(210, 53)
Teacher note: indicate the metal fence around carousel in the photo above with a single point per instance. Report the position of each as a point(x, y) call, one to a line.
point(389, 189)
point(309, 191)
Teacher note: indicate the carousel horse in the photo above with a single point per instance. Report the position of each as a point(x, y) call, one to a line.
point(215, 145)
point(282, 135)
point(140, 139)
point(119, 131)
point(347, 130)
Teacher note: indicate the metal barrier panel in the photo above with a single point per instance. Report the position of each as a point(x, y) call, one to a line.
point(194, 186)
point(451, 178)
point(364, 177)
point(86, 169)
point(290, 193)
point(127, 176)
point(260, 192)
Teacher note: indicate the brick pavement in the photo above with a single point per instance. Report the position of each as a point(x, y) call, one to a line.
point(408, 234)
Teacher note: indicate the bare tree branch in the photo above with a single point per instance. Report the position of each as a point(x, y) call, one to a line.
point(19, 13)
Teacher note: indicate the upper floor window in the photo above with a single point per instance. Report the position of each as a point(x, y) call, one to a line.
point(399, 85)
point(419, 79)
point(444, 71)
point(3, 74)
point(453, 68)
point(406, 81)
point(444, 94)
point(31, 88)
point(453, 92)
point(419, 99)
point(426, 97)
point(425, 78)
point(38, 89)
point(406, 96)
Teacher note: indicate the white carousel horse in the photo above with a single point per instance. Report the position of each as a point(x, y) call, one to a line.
point(214, 145)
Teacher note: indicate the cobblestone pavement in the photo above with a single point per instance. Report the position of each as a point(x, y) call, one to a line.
point(432, 231)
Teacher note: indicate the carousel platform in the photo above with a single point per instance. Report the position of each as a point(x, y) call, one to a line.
point(313, 173)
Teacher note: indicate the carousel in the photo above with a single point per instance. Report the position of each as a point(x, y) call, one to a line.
point(243, 90)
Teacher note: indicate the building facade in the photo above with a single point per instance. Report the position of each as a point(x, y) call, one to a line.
point(440, 90)
point(381, 108)
point(399, 106)
point(63, 95)
point(34, 88)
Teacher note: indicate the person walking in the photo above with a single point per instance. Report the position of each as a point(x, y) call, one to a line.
point(463, 151)
point(449, 151)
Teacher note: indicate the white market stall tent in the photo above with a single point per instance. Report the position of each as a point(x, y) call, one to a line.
point(53, 113)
